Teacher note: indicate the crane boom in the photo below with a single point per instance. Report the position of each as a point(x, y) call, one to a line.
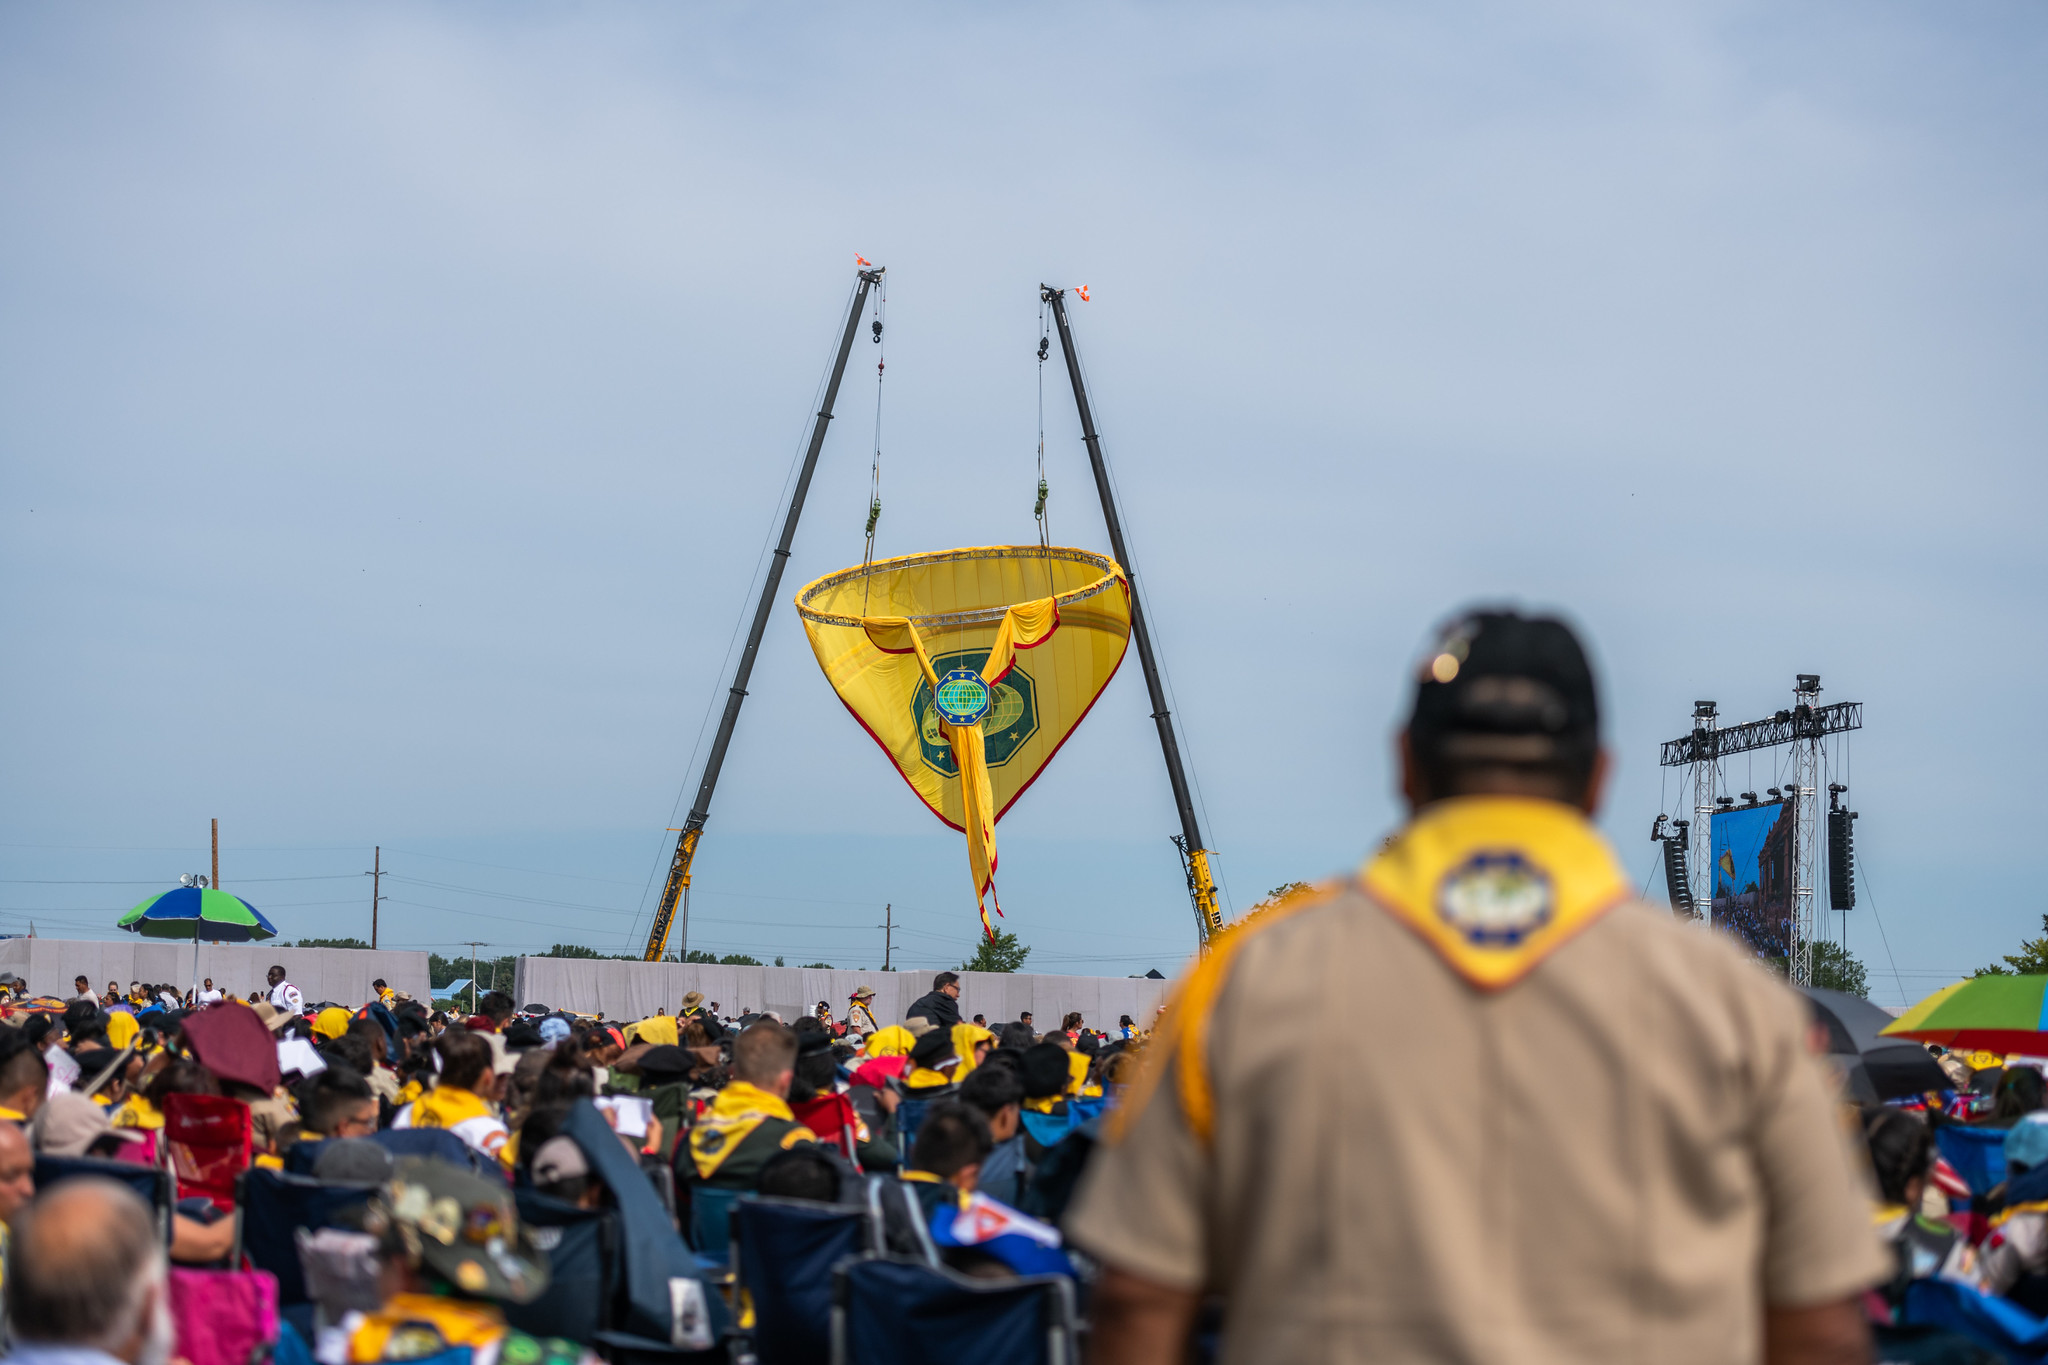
point(1194, 854)
point(676, 890)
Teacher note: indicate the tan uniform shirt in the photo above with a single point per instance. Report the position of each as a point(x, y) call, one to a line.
point(1620, 1157)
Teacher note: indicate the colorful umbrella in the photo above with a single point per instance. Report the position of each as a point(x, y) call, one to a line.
point(197, 912)
point(1999, 1014)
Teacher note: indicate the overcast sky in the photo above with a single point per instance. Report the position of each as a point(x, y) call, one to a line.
point(394, 400)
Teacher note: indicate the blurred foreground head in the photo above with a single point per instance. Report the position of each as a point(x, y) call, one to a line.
point(86, 1270)
point(1505, 706)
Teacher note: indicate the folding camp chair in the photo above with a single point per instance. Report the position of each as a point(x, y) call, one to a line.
point(223, 1317)
point(583, 1269)
point(274, 1205)
point(783, 1254)
point(891, 1311)
point(436, 1143)
point(710, 1220)
point(151, 1182)
point(208, 1139)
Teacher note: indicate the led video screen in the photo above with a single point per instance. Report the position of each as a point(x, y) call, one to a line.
point(1753, 862)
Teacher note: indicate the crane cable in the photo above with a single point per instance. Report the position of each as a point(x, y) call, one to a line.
point(881, 308)
point(1038, 508)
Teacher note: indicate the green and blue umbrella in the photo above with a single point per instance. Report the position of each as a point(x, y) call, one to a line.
point(196, 912)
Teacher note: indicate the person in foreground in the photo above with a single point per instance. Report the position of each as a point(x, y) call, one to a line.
point(85, 1281)
point(1637, 1160)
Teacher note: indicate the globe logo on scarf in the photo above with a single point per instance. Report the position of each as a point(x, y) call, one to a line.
point(1495, 899)
point(1011, 718)
point(963, 698)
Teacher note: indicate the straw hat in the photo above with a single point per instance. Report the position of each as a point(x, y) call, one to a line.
point(693, 1001)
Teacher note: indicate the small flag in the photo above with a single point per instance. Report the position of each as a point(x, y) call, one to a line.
point(1083, 292)
point(861, 260)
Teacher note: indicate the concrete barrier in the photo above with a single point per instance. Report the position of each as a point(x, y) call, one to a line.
point(342, 975)
point(634, 990)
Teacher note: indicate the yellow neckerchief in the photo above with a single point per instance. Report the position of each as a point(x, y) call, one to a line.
point(1881, 1214)
point(459, 1322)
point(410, 1091)
point(929, 1178)
point(1043, 1106)
point(445, 1106)
point(1077, 1072)
point(739, 1109)
point(966, 1037)
point(893, 1041)
point(121, 1029)
point(2031, 1206)
point(12, 1115)
point(1495, 884)
point(137, 1112)
point(858, 1010)
point(659, 1030)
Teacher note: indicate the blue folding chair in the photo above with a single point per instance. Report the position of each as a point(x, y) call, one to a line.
point(710, 1221)
point(153, 1183)
point(273, 1206)
point(783, 1254)
point(892, 1311)
point(436, 1143)
point(583, 1269)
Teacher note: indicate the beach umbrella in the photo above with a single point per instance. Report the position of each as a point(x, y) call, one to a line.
point(1999, 1014)
point(197, 913)
point(1892, 1067)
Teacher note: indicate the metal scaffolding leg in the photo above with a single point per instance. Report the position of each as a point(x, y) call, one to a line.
point(1704, 717)
point(1805, 830)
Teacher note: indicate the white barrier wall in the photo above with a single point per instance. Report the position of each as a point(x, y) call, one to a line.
point(342, 975)
point(634, 990)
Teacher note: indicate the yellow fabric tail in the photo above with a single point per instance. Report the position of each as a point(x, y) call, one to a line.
point(1023, 626)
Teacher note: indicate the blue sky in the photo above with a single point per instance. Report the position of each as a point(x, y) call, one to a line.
point(394, 400)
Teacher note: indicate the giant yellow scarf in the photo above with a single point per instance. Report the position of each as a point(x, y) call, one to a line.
point(739, 1109)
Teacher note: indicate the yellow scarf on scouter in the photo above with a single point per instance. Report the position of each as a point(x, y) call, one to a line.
point(137, 1112)
point(1495, 884)
point(445, 1106)
point(739, 1109)
point(459, 1322)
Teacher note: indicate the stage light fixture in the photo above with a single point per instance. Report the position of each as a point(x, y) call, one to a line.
point(1749, 797)
point(1775, 793)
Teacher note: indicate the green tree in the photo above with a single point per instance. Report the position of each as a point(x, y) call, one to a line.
point(1003, 954)
point(577, 950)
point(825, 965)
point(729, 960)
point(2031, 960)
point(326, 943)
point(1836, 969)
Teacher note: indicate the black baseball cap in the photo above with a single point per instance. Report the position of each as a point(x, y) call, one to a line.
point(1500, 687)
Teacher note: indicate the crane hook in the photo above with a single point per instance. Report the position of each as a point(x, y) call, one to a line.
point(1044, 345)
point(877, 325)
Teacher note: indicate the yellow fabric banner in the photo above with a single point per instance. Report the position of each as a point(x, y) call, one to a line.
point(1025, 635)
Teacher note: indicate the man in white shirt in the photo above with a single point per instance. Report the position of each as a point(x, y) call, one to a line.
point(208, 995)
point(83, 991)
point(284, 996)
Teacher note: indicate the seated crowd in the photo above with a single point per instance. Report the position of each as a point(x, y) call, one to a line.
point(964, 1141)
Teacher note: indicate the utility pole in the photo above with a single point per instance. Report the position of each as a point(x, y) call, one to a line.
point(473, 946)
point(888, 928)
point(216, 853)
point(693, 826)
point(376, 882)
point(1194, 853)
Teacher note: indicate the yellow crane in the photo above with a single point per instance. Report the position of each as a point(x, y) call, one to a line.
point(675, 893)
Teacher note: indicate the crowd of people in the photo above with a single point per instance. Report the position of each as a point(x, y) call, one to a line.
point(430, 1106)
point(1477, 1103)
